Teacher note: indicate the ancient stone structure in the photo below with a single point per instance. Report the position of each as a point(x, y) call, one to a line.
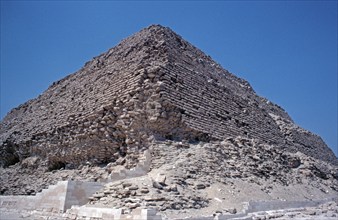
point(56, 198)
point(152, 86)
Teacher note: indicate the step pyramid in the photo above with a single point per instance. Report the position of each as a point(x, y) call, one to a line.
point(152, 86)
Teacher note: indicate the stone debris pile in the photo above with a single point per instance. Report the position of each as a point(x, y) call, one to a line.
point(183, 175)
point(148, 194)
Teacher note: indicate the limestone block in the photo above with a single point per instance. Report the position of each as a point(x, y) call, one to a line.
point(150, 214)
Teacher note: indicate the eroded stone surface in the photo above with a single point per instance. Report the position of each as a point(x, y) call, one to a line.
point(153, 84)
point(205, 128)
point(220, 176)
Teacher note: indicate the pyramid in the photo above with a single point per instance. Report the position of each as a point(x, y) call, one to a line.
point(153, 85)
point(155, 124)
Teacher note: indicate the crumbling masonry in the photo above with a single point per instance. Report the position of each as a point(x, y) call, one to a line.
point(152, 86)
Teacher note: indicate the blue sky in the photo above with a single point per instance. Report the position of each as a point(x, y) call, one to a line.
point(287, 50)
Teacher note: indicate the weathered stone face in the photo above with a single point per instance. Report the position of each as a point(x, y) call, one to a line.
point(153, 85)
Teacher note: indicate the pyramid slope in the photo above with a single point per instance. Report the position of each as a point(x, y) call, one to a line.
point(220, 104)
point(152, 86)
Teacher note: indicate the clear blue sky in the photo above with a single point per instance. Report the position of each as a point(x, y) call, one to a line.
point(287, 50)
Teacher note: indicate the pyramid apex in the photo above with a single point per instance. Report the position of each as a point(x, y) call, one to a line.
point(159, 28)
point(156, 26)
